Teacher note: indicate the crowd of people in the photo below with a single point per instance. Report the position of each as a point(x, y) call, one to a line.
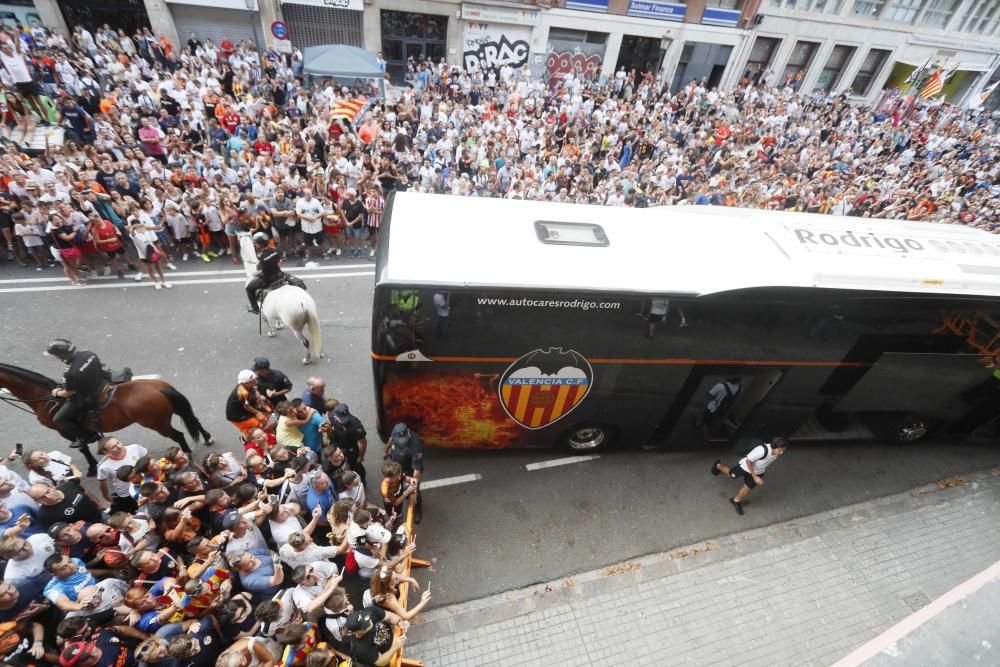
point(282, 555)
point(171, 150)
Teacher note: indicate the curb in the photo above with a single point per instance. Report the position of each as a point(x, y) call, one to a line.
point(467, 616)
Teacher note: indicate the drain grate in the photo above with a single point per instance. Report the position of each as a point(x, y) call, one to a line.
point(916, 600)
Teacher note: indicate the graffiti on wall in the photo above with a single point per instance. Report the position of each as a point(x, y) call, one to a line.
point(489, 46)
point(583, 61)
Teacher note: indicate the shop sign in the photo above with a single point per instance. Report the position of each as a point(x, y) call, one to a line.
point(588, 5)
point(724, 17)
point(354, 5)
point(491, 45)
point(490, 14)
point(650, 9)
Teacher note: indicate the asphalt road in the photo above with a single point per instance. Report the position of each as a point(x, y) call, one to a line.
point(508, 528)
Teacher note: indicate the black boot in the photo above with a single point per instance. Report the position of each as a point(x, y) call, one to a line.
point(253, 310)
point(79, 443)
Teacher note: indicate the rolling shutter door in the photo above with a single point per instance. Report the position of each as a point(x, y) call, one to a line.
point(310, 25)
point(214, 23)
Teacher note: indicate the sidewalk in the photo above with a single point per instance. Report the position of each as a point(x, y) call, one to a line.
point(804, 592)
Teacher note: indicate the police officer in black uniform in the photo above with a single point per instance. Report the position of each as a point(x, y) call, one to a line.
point(271, 382)
point(347, 432)
point(268, 270)
point(82, 386)
point(407, 449)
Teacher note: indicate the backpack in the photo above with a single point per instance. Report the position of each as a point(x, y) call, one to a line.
point(767, 448)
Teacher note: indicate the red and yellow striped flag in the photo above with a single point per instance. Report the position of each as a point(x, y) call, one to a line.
point(348, 109)
point(934, 85)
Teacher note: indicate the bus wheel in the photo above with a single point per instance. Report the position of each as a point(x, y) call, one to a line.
point(911, 430)
point(587, 438)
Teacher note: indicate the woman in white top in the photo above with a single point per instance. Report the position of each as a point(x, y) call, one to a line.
point(150, 254)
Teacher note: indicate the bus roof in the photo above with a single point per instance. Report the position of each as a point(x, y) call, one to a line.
point(443, 240)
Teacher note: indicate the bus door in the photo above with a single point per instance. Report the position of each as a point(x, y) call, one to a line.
point(715, 406)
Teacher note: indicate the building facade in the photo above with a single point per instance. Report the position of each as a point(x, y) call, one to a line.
point(867, 48)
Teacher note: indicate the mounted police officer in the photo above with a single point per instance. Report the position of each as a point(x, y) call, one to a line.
point(82, 385)
point(268, 270)
point(407, 449)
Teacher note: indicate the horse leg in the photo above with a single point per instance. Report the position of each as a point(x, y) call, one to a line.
point(297, 330)
point(91, 461)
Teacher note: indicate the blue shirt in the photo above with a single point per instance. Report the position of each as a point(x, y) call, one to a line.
point(324, 500)
point(258, 582)
point(70, 586)
point(311, 435)
point(312, 400)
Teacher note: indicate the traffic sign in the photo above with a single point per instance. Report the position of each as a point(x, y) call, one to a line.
point(279, 29)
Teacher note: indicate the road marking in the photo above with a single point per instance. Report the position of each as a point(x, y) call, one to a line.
point(449, 481)
point(560, 462)
point(147, 283)
point(897, 632)
point(215, 272)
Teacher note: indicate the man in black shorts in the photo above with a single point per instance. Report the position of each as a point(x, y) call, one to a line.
point(751, 468)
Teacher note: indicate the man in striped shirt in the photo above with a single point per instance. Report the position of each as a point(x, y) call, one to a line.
point(375, 205)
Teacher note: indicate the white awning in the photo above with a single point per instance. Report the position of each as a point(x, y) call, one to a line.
point(936, 61)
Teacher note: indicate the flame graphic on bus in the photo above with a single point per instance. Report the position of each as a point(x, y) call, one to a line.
point(544, 386)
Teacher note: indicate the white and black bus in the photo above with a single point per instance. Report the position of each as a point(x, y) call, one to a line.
point(501, 323)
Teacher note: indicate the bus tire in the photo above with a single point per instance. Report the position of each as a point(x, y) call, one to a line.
point(584, 438)
point(912, 429)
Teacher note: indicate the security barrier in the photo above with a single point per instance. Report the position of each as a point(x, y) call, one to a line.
point(399, 660)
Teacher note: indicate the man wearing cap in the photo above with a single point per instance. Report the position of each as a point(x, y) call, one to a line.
point(372, 640)
point(407, 449)
point(243, 408)
point(271, 382)
point(347, 432)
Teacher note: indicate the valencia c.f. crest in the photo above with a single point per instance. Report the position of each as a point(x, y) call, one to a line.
point(544, 386)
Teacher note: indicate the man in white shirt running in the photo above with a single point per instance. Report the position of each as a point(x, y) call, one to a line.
point(751, 468)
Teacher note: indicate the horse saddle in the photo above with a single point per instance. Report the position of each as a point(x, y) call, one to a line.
point(91, 419)
point(285, 279)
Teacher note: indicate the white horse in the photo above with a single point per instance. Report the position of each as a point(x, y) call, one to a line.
point(288, 305)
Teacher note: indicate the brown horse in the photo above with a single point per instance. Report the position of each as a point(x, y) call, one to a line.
point(149, 403)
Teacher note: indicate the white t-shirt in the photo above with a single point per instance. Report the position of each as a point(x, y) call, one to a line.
point(310, 554)
point(253, 539)
point(280, 532)
point(16, 67)
point(107, 468)
point(762, 456)
point(42, 547)
point(58, 469)
point(303, 596)
point(311, 207)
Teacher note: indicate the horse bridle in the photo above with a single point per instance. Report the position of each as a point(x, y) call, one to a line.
point(13, 402)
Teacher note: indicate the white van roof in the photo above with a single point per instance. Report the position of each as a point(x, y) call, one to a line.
point(493, 243)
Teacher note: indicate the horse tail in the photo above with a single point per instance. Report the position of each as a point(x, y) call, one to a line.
point(315, 337)
point(182, 408)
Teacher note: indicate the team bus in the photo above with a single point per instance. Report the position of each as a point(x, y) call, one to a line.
point(501, 323)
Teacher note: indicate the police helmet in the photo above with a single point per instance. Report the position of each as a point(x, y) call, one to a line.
point(260, 237)
point(60, 347)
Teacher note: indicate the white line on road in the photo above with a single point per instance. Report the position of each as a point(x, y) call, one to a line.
point(146, 283)
point(216, 272)
point(449, 481)
point(867, 651)
point(560, 462)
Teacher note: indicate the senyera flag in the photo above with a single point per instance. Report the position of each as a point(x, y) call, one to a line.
point(349, 110)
